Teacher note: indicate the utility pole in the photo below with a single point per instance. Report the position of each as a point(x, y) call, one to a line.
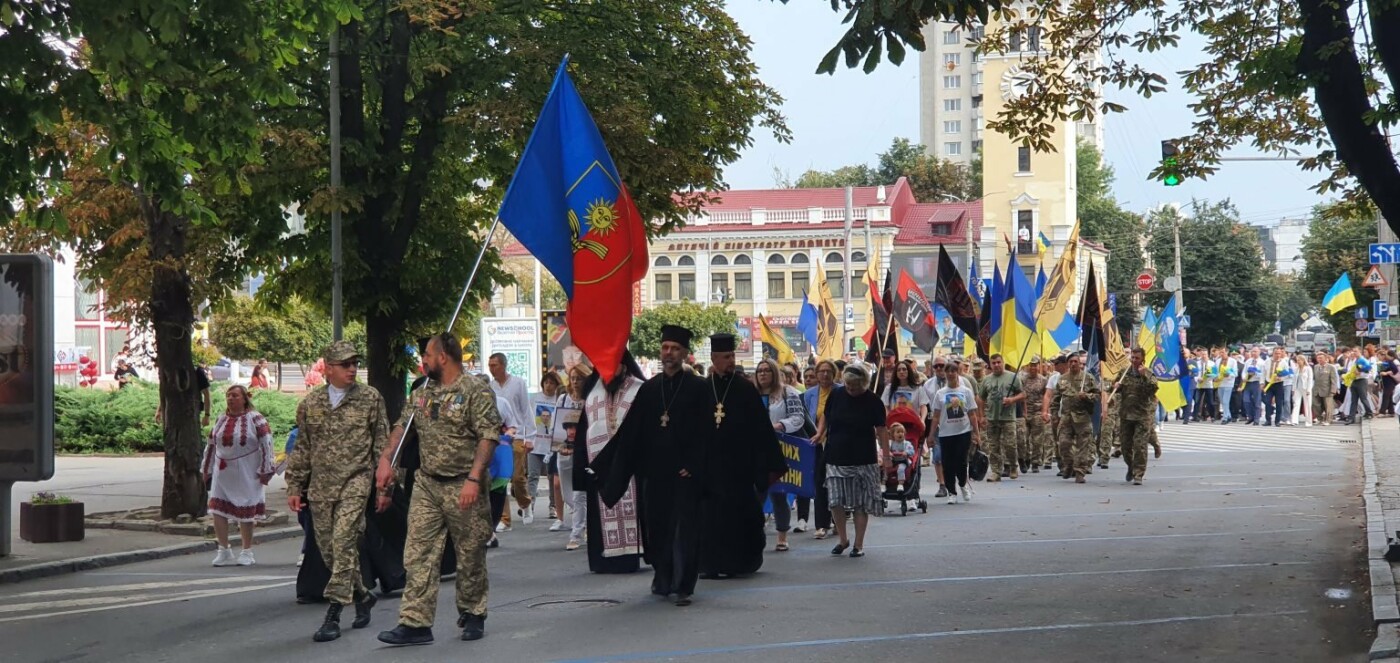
point(1176, 242)
point(337, 263)
point(846, 274)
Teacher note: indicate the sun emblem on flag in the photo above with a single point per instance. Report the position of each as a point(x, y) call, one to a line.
point(602, 218)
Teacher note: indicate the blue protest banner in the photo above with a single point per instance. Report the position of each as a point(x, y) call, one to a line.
point(801, 456)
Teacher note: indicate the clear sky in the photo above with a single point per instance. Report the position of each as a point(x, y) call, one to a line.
point(851, 117)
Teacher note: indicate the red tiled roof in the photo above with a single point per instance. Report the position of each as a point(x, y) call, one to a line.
point(916, 227)
point(771, 199)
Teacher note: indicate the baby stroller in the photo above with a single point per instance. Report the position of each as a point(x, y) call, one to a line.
point(914, 430)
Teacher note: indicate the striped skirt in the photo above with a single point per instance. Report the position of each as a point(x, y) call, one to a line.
point(855, 488)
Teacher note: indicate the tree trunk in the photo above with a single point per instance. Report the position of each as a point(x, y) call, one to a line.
point(172, 316)
point(1329, 61)
point(385, 375)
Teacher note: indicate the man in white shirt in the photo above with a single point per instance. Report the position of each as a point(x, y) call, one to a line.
point(1254, 377)
point(512, 389)
point(1278, 377)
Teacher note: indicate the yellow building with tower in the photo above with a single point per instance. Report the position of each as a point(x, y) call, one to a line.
point(1025, 193)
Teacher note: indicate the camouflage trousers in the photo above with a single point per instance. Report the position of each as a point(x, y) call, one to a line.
point(1108, 436)
point(1023, 442)
point(432, 514)
point(1135, 436)
point(1038, 439)
point(1001, 448)
point(1077, 444)
point(339, 526)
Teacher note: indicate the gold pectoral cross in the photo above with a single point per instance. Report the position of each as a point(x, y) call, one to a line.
point(719, 414)
point(665, 419)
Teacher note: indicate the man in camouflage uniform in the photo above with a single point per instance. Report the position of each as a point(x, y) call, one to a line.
point(1138, 393)
point(998, 393)
point(458, 428)
point(1075, 396)
point(1108, 435)
point(342, 429)
point(1036, 446)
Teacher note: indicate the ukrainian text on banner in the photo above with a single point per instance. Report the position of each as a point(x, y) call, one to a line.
point(801, 456)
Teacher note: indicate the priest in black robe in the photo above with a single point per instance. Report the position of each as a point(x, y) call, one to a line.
point(744, 461)
point(661, 443)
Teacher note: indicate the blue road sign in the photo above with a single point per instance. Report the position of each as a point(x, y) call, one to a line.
point(1385, 254)
point(1360, 312)
point(1380, 309)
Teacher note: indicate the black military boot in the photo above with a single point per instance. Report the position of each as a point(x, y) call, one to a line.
point(473, 626)
point(330, 629)
point(407, 635)
point(362, 605)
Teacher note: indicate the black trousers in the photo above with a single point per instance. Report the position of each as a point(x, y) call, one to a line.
point(955, 450)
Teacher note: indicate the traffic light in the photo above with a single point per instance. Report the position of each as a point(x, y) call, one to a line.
point(1171, 167)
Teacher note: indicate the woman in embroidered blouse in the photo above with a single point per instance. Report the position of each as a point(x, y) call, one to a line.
point(237, 465)
point(786, 414)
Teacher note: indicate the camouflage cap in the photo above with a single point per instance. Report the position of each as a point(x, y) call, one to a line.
point(1035, 359)
point(339, 351)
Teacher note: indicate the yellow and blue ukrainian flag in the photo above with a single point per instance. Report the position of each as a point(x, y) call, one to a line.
point(1341, 296)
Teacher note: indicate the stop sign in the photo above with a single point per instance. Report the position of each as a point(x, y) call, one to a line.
point(1145, 281)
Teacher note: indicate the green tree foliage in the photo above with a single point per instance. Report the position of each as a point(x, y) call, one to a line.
point(439, 100)
point(1307, 78)
point(930, 178)
point(1104, 221)
point(702, 320)
point(296, 334)
point(171, 96)
point(1337, 242)
point(1225, 279)
point(1288, 296)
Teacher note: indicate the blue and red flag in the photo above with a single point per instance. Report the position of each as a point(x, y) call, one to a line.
point(568, 206)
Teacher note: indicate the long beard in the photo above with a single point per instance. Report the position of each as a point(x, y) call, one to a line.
point(435, 374)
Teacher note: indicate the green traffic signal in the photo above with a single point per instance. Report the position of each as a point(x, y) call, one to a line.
point(1171, 176)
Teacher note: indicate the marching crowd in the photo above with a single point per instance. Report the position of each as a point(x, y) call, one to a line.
point(677, 470)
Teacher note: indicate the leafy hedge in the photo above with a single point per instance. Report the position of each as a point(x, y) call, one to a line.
point(123, 420)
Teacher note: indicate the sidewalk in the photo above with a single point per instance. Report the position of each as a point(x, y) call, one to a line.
point(1380, 439)
point(108, 484)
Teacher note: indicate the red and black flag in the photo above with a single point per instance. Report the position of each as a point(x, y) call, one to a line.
point(912, 310)
point(950, 292)
point(881, 335)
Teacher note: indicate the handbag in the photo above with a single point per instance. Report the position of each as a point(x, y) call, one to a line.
point(977, 465)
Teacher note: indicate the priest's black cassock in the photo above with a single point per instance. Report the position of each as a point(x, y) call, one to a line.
point(661, 436)
point(744, 460)
point(587, 477)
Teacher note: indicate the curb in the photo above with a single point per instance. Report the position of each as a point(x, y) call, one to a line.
point(1385, 609)
point(61, 567)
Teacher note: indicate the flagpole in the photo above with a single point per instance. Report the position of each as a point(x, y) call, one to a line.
point(461, 300)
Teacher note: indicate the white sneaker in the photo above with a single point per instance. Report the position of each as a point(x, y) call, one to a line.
point(225, 557)
point(553, 513)
point(573, 544)
point(502, 527)
point(899, 488)
point(800, 527)
point(967, 493)
point(299, 560)
point(952, 498)
point(529, 516)
point(558, 526)
point(245, 557)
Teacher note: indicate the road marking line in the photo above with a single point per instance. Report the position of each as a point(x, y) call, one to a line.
point(136, 587)
point(1117, 512)
point(1079, 540)
point(192, 595)
point(769, 646)
point(1015, 576)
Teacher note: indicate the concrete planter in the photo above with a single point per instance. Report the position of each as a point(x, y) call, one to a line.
point(51, 523)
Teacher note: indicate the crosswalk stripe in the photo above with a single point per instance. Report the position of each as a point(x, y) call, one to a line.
point(1237, 438)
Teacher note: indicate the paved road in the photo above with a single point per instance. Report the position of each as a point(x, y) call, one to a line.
point(1227, 554)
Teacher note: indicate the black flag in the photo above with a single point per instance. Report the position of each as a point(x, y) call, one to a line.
point(913, 312)
point(950, 291)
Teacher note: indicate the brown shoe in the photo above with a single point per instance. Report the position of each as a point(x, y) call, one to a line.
point(1079, 478)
